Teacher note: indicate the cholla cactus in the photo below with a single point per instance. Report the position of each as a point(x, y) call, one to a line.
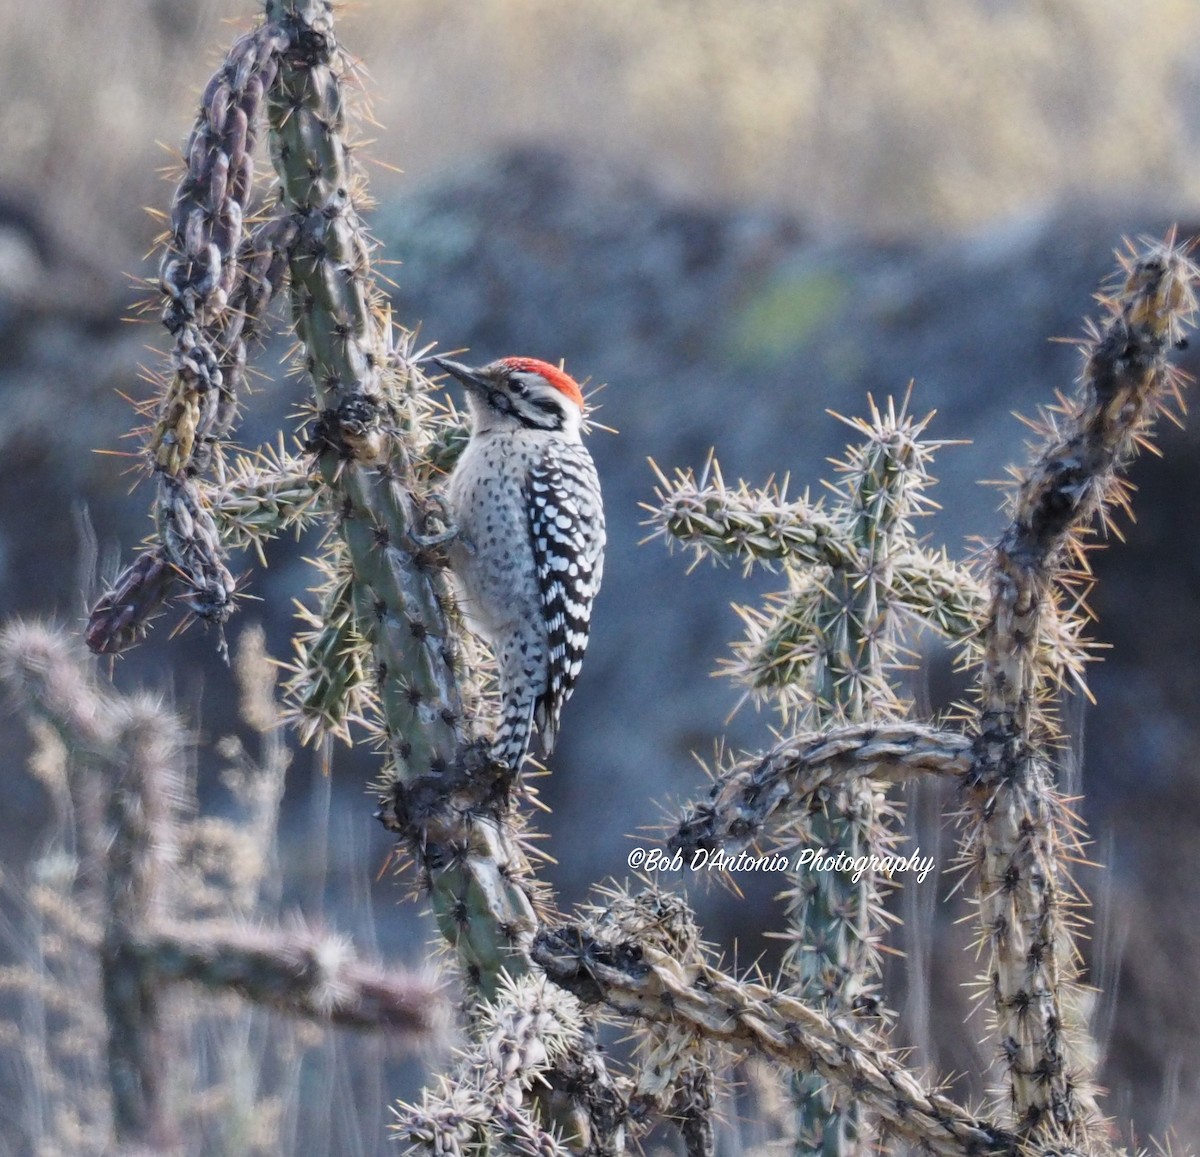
point(159, 896)
point(217, 278)
point(827, 650)
point(383, 651)
point(383, 654)
point(1018, 829)
point(1023, 628)
point(532, 1027)
point(386, 611)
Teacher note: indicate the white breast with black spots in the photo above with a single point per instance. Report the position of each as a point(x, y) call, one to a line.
point(490, 558)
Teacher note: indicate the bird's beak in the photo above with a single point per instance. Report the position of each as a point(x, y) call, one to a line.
point(471, 378)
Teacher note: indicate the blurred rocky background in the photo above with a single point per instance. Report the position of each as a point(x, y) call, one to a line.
point(736, 216)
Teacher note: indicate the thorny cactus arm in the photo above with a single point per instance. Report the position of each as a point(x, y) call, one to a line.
point(677, 1072)
point(841, 621)
point(477, 871)
point(139, 863)
point(216, 281)
point(361, 455)
point(762, 527)
point(747, 795)
point(264, 496)
point(932, 590)
point(130, 749)
point(826, 648)
point(329, 686)
point(295, 970)
point(40, 671)
point(644, 981)
point(752, 526)
point(532, 1028)
point(1017, 826)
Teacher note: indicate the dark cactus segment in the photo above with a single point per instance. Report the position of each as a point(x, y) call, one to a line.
point(216, 277)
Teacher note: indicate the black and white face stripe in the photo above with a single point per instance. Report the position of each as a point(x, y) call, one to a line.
point(502, 392)
point(531, 400)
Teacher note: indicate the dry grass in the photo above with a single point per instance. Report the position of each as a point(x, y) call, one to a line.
point(907, 115)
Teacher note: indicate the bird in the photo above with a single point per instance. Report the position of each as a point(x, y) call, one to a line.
point(527, 553)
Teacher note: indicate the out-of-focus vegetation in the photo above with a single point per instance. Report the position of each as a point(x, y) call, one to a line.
point(883, 117)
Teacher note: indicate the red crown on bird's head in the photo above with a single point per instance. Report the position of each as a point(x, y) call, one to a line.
point(558, 378)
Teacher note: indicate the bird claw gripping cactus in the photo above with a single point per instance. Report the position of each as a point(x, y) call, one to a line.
point(437, 510)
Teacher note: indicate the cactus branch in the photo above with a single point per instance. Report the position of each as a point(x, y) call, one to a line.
point(438, 796)
point(139, 863)
point(216, 279)
point(746, 796)
point(264, 495)
point(644, 981)
point(1016, 822)
point(123, 752)
point(749, 525)
point(308, 974)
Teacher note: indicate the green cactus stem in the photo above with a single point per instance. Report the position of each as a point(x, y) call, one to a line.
point(825, 650)
point(439, 794)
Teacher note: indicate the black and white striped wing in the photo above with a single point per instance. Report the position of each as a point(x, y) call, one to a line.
point(566, 523)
